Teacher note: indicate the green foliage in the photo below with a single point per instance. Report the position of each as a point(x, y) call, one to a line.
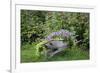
point(42, 23)
point(74, 53)
point(31, 22)
point(40, 46)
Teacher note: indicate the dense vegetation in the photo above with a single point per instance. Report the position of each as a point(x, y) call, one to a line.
point(36, 25)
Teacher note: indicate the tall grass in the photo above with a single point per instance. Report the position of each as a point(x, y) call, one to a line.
point(74, 53)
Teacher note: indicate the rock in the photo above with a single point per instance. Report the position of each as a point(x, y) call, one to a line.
point(55, 47)
point(56, 44)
